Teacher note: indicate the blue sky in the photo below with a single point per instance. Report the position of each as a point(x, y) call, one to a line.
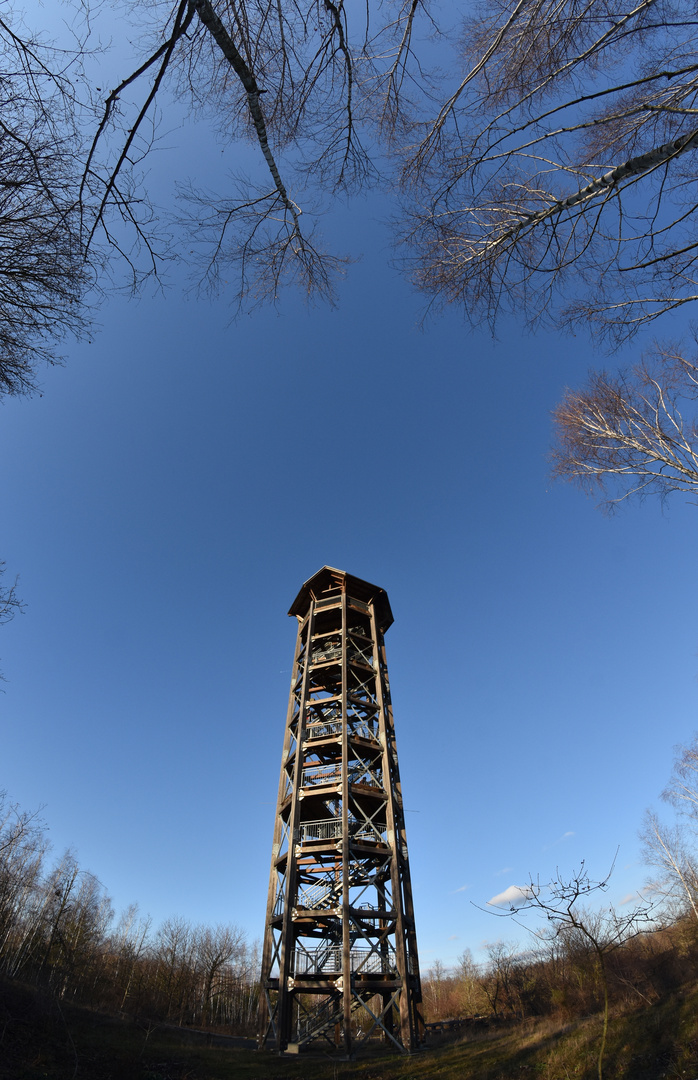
point(182, 475)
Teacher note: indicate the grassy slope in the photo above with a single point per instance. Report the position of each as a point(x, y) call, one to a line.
point(38, 1041)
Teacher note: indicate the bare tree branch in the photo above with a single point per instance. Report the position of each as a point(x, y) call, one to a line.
point(279, 74)
point(633, 434)
point(665, 848)
point(43, 274)
point(545, 184)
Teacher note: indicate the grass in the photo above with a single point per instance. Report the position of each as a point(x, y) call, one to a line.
point(40, 1041)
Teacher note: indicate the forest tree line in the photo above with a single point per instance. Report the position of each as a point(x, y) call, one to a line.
point(58, 932)
point(562, 979)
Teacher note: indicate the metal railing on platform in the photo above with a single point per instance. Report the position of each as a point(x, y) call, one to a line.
point(331, 829)
point(320, 775)
point(327, 959)
point(323, 729)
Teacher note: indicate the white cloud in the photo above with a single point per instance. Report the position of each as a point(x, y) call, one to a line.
point(505, 870)
point(463, 888)
point(560, 840)
point(453, 937)
point(514, 896)
point(641, 895)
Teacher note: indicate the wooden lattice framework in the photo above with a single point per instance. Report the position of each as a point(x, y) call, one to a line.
point(340, 956)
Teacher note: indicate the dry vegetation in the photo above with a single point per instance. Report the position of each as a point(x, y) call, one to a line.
point(561, 981)
point(41, 1039)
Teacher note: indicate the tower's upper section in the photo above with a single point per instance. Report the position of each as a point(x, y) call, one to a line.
point(330, 582)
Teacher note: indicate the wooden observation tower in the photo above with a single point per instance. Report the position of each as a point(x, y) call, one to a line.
point(340, 951)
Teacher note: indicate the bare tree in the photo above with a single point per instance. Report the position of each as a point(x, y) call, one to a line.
point(129, 945)
point(633, 434)
point(667, 849)
point(682, 790)
point(501, 957)
point(558, 172)
point(434, 989)
point(285, 77)
point(177, 974)
point(470, 988)
point(10, 603)
point(215, 949)
point(22, 849)
point(76, 912)
point(563, 904)
point(672, 849)
point(43, 272)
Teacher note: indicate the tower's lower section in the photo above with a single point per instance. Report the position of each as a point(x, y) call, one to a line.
point(340, 957)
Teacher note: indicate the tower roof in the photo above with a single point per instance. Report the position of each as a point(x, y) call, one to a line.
point(328, 580)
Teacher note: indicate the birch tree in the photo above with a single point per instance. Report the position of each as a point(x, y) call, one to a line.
point(668, 850)
point(682, 790)
point(22, 848)
point(632, 434)
point(672, 850)
point(557, 177)
point(129, 944)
